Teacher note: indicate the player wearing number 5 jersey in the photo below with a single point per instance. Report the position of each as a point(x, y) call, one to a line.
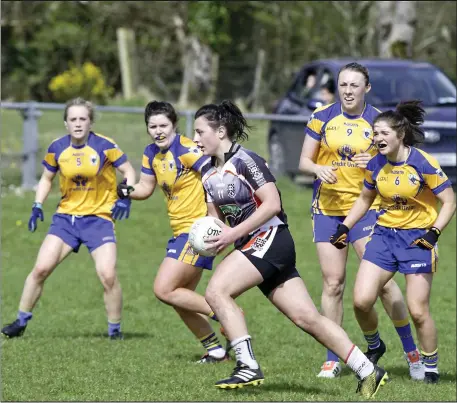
point(409, 182)
point(87, 164)
point(337, 147)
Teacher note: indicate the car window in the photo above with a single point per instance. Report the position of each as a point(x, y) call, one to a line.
point(305, 84)
point(391, 85)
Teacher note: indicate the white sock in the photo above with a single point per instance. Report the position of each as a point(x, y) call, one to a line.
point(218, 352)
point(244, 352)
point(359, 363)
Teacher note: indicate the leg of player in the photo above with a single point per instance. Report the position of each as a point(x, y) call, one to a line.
point(175, 285)
point(233, 276)
point(418, 287)
point(395, 306)
point(105, 264)
point(293, 300)
point(53, 251)
point(333, 267)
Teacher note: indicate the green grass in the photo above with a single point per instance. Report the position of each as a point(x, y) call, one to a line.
point(65, 356)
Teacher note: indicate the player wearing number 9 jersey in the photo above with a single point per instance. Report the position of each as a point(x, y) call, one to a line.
point(409, 182)
point(337, 147)
point(86, 163)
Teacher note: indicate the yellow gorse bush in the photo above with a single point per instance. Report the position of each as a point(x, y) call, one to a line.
point(86, 81)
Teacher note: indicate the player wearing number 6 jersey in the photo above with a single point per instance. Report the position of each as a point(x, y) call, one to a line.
point(337, 147)
point(409, 182)
point(87, 164)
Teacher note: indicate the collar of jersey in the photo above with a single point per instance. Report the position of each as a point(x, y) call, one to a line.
point(82, 145)
point(233, 150)
point(166, 149)
point(346, 115)
point(396, 164)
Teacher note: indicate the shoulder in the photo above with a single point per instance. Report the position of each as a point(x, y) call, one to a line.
point(326, 112)
point(377, 162)
point(424, 161)
point(59, 144)
point(100, 141)
point(370, 113)
point(151, 150)
point(185, 145)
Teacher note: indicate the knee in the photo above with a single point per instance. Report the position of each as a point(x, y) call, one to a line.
point(419, 313)
point(40, 273)
point(162, 293)
point(334, 287)
point(213, 294)
point(306, 321)
point(363, 303)
point(108, 279)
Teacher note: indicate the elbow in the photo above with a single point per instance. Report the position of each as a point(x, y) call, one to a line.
point(275, 209)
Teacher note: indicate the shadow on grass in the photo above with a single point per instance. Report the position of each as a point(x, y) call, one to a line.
point(403, 372)
point(271, 386)
point(98, 335)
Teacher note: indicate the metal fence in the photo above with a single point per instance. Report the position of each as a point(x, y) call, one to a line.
point(31, 112)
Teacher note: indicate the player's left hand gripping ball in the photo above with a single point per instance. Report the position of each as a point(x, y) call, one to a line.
point(429, 239)
point(339, 238)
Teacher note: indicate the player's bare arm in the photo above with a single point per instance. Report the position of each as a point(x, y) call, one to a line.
point(360, 207)
point(308, 164)
point(144, 188)
point(128, 172)
point(44, 186)
point(447, 199)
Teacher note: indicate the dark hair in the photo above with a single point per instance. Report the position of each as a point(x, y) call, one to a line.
point(225, 114)
point(406, 119)
point(354, 66)
point(160, 108)
point(329, 85)
point(79, 102)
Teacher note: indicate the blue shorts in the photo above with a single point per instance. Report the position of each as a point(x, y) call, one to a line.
point(324, 226)
point(91, 230)
point(179, 248)
point(390, 249)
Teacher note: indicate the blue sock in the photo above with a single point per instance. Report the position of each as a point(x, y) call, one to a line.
point(213, 316)
point(403, 329)
point(113, 328)
point(373, 339)
point(24, 317)
point(430, 361)
point(331, 356)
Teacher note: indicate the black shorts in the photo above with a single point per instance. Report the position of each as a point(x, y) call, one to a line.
point(273, 254)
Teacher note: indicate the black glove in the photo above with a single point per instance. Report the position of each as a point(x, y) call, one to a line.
point(123, 190)
point(339, 238)
point(429, 239)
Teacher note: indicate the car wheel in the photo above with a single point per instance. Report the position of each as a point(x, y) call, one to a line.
point(277, 161)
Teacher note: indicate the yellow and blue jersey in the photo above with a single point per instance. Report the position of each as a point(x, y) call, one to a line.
point(341, 136)
point(407, 189)
point(87, 174)
point(177, 171)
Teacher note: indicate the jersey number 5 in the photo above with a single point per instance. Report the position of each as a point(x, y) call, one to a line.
point(78, 161)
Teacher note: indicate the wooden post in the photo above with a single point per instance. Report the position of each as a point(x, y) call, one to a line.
point(127, 61)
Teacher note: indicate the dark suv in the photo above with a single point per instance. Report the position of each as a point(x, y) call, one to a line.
point(392, 81)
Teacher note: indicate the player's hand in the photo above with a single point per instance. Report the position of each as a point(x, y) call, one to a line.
point(37, 213)
point(362, 159)
point(124, 190)
point(226, 238)
point(428, 240)
point(121, 209)
point(339, 238)
point(325, 174)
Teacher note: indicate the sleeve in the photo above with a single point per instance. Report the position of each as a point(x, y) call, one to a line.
point(146, 165)
point(193, 158)
point(369, 182)
point(256, 172)
point(314, 127)
point(434, 176)
point(208, 197)
point(115, 155)
point(50, 159)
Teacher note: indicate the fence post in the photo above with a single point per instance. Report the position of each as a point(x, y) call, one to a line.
point(30, 145)
point(189, 124)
